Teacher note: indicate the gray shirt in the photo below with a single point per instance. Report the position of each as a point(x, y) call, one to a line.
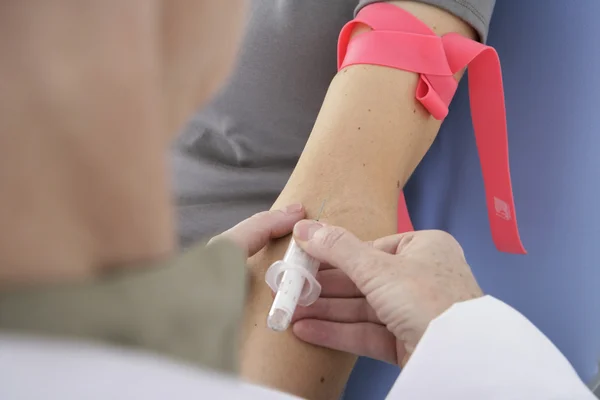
point(236, 154)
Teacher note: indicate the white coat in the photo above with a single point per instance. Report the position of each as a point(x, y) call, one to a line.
point(480, 349)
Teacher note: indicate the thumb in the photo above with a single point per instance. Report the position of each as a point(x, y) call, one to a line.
point(334, 245)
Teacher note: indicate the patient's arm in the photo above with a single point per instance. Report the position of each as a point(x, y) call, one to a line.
point(368, 138)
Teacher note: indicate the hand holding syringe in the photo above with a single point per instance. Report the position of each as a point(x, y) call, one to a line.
point(293, 279)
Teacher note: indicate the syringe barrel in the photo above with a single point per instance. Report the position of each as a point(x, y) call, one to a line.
point(286, 300)
point(294, 255)
point(293, 279)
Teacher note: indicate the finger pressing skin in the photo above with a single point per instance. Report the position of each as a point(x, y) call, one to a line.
point(335, 283)
point(255, 232)
point(338, 310)
point(362, 339)
point(333, 245)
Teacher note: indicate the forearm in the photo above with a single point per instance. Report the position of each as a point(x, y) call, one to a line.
point(363, 147)
point(362, 196)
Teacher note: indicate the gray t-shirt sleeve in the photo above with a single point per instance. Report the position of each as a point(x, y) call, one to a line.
point(475, 12)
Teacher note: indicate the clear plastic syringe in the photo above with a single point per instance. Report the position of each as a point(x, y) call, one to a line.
point(293, 279)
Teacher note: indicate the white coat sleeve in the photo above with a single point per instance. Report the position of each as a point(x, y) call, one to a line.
point(484, 349)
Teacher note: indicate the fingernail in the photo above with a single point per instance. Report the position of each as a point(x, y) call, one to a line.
point(305, 230)
point(293, 208)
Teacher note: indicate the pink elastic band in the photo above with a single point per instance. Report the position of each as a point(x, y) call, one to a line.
point(400, 40)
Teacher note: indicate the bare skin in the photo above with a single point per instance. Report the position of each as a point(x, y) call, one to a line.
point(96, 91)
point(370, 125)
point(379, 297)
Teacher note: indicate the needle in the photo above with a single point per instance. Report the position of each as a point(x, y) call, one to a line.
point(321, 210)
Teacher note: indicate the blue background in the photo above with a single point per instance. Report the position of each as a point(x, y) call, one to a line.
point(550, 56)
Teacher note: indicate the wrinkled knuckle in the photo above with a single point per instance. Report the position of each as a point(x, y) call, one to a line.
point(448, 242)
point(372, 266)
point(257, 220)
point(331, 237)
point(405, 240)
point(443, 237)
point(440, 235)
point(262, 215)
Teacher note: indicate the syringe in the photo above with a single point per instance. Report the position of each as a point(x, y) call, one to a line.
point(293, 279)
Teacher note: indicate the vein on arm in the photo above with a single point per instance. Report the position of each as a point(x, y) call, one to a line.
point(369, 136)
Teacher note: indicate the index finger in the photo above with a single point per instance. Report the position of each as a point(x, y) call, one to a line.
point(255, 232)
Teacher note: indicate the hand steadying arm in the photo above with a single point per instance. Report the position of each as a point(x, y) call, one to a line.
point(368, 138)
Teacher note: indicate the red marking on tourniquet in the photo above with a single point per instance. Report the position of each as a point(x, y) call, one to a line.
point(399, 40)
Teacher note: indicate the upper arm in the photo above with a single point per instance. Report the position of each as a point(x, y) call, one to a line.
point(474, 14)
point(371, 131)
